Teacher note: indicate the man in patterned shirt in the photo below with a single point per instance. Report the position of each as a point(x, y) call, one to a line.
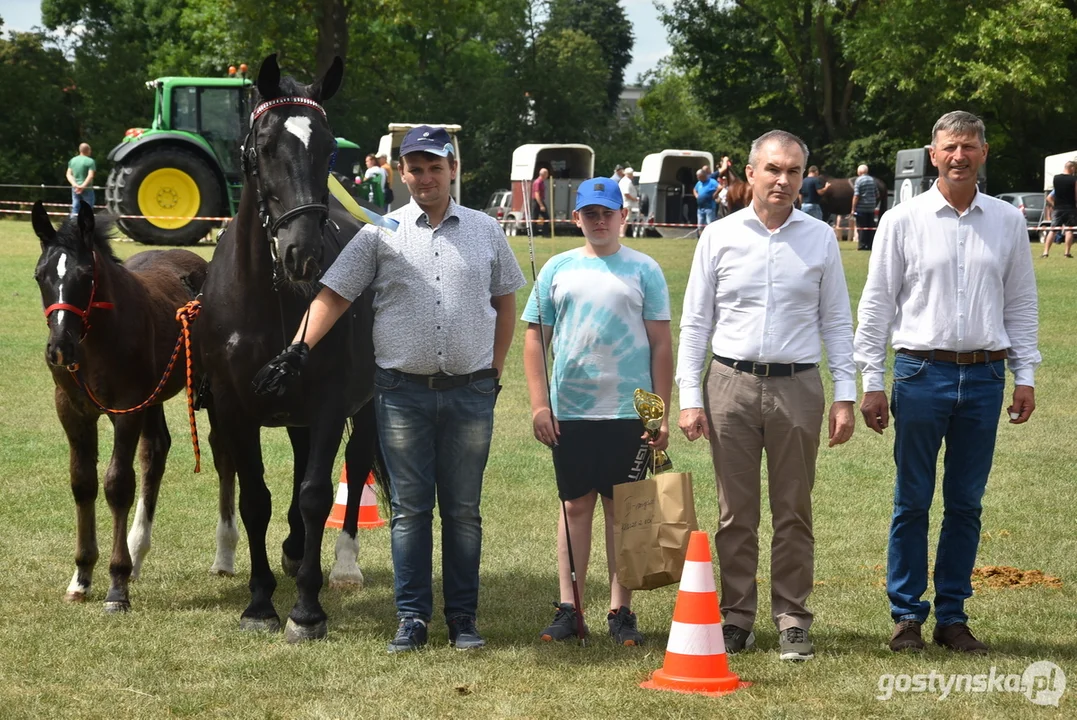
point(606, 308)
point(444, 287)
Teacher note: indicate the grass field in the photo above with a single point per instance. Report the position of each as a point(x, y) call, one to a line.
point(179, 653)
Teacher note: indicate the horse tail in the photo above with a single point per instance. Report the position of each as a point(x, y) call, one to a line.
point(882, 190)
point(381, 473)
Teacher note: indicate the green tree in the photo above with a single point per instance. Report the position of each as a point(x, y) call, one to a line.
point(605, 22)
point(39, 128)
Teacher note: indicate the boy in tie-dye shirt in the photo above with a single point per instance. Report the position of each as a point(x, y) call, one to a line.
point(606, 308)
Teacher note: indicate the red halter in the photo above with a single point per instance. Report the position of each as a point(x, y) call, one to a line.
point(84, 314)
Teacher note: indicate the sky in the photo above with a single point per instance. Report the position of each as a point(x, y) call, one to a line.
point(651, 44)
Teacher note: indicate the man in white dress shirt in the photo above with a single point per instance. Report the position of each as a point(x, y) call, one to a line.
point(951, 286)
point(767, 281)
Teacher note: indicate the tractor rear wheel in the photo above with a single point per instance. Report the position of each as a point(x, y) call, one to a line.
point(171, 186)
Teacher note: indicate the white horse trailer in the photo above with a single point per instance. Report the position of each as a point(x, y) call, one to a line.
point(569, 165)
point(389, 146)
point(666, 183)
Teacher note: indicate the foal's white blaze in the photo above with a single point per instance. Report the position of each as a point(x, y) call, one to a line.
point(346, 568)
point(61, 273)
point(233, 340)
point(300, 127)
point(77, 588)
point(138, 540)
point(227, 539)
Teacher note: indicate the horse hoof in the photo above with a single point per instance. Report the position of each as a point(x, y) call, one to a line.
point(250, 624)
point(117, 606)
point(75, 596)
point(346, 580)
point(289, 566)
point(222, 571)
point(296, 633)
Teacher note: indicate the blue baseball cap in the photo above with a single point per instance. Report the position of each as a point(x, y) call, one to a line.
point(425, 138)
point(599, 191)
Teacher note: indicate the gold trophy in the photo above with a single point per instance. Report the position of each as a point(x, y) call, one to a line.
point(651, 410)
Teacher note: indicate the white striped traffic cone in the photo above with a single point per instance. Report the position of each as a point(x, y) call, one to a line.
point(695, 653)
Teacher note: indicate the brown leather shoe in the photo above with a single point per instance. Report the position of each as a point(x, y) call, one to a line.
point(958, 637)
point(907, 637)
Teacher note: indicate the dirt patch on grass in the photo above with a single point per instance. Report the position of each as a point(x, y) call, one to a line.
point(1004, 576)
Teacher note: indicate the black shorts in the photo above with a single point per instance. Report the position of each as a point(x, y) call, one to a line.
point(1064, 217)
point(598, 454)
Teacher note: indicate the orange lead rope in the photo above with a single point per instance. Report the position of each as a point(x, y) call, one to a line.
point(184, 315)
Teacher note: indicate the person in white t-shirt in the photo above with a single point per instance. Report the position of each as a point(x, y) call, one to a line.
point(630, 197)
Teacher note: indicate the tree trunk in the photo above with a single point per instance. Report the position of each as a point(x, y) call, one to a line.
point(332, 21)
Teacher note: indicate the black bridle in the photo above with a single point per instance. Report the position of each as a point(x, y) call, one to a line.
point(249, 157)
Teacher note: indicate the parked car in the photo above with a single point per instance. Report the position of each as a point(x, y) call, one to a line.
point(499, 206)
point(1031, 204)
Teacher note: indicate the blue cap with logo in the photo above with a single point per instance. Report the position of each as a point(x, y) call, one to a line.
point(599, 191)
point(426, 138)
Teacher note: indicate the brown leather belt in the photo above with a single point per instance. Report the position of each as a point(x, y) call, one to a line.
point(975, 357)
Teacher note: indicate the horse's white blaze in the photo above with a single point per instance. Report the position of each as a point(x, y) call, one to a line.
point(346, 567)
point(227, 539)
point(300, 127)
point(233, 340)
point(138, 540)
point(76, 586)
point(61, 273)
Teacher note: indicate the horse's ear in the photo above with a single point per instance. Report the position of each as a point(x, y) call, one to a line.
point(86, 223)
point(327, 86)
point(46, 233)
point(268, 81)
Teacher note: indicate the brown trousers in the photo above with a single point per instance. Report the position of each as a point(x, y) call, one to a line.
point(747, 415)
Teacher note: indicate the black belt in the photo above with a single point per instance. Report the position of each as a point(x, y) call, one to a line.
point(763, 369)
point(973, 357)
point(447, 382)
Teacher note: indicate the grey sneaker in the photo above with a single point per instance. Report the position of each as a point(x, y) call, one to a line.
point(563, 625)
point(737, 639)
point(410, 635)
point(794, 644)
point(463, 635)
point(623, 627)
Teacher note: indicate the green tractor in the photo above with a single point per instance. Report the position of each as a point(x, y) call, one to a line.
point(187, 164)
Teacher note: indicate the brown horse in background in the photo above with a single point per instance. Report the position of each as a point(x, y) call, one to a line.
point(837, 200)
point(739, 192)
point(112, 330)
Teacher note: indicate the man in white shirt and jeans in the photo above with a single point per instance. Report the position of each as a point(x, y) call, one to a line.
point(951, 286)
point(767, 281)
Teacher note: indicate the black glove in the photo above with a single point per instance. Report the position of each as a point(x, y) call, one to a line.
point(277, 374)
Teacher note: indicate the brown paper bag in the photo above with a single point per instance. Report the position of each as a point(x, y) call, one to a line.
point(653, 519)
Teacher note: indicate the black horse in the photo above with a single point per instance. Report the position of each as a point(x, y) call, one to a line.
point(261, 280)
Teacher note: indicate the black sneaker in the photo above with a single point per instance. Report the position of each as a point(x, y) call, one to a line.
point(623, 627)
point(463, 635)
point(563, 625)
point(410, 635)
point(737, 639)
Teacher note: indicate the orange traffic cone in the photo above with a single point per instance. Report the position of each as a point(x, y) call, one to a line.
point(368, 504)
point(695, 653)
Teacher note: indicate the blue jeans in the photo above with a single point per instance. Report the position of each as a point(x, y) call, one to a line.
point(705, 216)
point(932, 402)
point(77, 199)
point(435, 444)
point(814, 210)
